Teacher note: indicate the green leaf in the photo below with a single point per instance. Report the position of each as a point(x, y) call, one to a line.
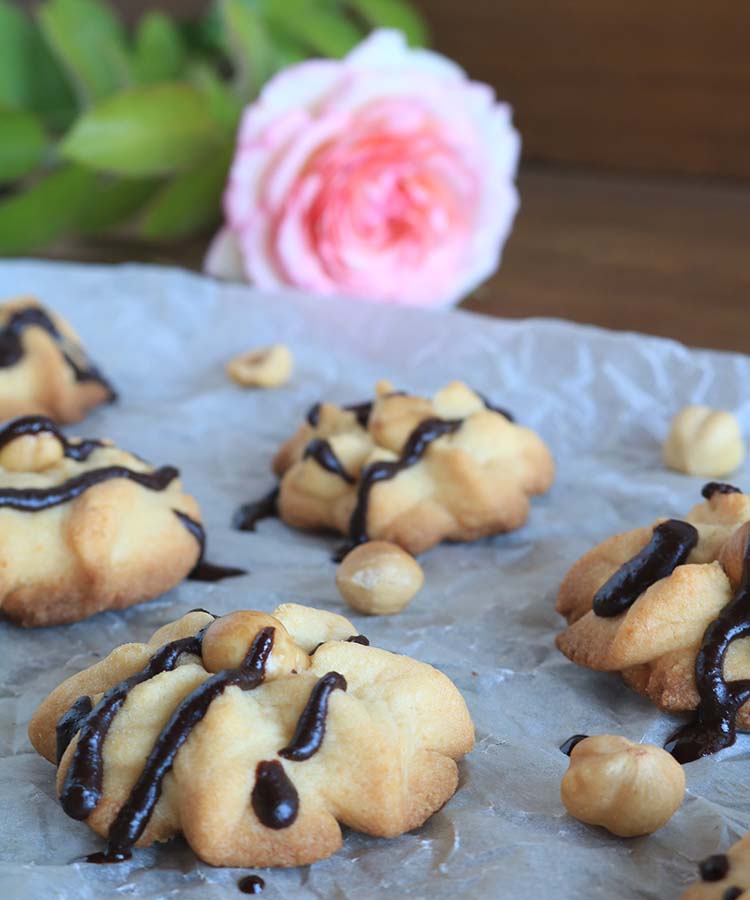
point(159, 53)
point(224, 104)
point(29, 76)
point(248, 44)
point(393, 14)
point(144, 131)
point(90, 42)
point(113, 202)
point(191, 202)
point(307, 22)
point(22, 145)
point(46, 211)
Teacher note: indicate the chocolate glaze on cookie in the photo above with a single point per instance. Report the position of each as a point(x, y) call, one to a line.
point(82, 788)
point(670, 545)
point(251, 884)
point(33, 425)
point(718, 487)
point(311, 727)
point(714, 868)
point(12, 350)
point(324, 455)
point(248, 515)
point(414, 449)
point(274, 798)
point(70, 724)
point(713, 727)
point(134, 815)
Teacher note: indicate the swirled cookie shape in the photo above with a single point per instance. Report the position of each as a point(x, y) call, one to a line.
point(668, 607)
point(85, 526)
point(44, 369)
point(409, 470)
point(254, 736)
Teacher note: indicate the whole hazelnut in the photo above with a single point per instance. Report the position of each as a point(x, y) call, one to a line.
point(266, 367)
point(629, 789)
point(704, 441)
point(228, 641)
point(379, 578)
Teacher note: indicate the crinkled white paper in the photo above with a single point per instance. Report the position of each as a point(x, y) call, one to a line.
point(485, 616)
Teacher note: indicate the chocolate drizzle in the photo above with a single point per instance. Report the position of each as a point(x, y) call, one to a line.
point(135, 813)
point(361, 411)
point(12, 350)
point(251, 884)
point(311, 726)
point(70, 723)
point(324, 455)
point(669, 547)
point(718, 487)
point(714, 868)
point(274, 798)
point(415, 448)
point(203, 570)
point(567, 746)
point(498, 409)
point(714, 725)
point(37, 499)
point(33, 425)
point(248, 515)
point(82, 788)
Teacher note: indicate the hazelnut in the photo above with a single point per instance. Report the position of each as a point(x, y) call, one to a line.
point(31, 452)
point(266, 367)
point(379, 578)
point(228, 641)
point(629, 789)
point(704, 441)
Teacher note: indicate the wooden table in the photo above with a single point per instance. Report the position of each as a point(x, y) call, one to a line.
point(665, 256)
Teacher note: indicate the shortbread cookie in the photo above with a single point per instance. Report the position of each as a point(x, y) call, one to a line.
point(44, 369)
point(724, 876)
point(85, 526)
point(410, 470)
point(666, 606)
point(254, 736)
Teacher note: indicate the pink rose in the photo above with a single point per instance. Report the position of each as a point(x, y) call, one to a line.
point(387, 175)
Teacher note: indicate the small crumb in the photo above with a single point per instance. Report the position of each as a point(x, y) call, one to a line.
point(265, 367)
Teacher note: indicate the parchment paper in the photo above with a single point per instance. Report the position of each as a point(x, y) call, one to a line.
point(485, 617)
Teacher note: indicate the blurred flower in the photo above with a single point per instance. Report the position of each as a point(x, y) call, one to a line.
point(387, 175)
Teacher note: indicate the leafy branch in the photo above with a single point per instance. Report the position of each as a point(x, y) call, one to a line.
point(103, 129)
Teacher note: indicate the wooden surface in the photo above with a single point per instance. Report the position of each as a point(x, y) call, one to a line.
point(637, 84)
point(668, 257)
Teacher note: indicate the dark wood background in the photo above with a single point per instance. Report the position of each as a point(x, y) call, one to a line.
point(635, 117)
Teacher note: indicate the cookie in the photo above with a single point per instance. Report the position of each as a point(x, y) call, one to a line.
point(85, 526)
point(664, 606)
point(44, 369)
point(254, 736)
point(724, 876)
point(409, 470)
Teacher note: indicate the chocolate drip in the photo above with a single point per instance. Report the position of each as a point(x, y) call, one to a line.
point(37, 499)
point(361, 410)
point(274, 798)
point(714, 726)
point(498, 409)
point(323, 454)
point(732, 893)
point(203, 570)
point(135, 813)
point(567, 746)
point(12, 350)
point(414, 449)
point(669, 547)
point(82, 788)
point(248, 515)
point(311, 726)
point(718, 487)
point(251, 884)
point(70, 723)
point(358, 639)
point(714, 868)
point(25, 425)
